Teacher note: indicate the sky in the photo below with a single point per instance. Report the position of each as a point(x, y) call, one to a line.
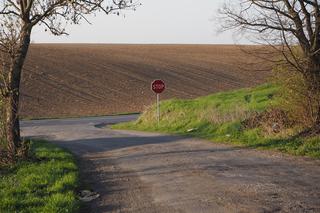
point(155, 22)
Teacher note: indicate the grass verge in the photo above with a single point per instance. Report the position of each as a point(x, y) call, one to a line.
point(46, 183)
point(218, 118)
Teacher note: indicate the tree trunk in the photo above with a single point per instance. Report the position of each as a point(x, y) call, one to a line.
point(318, 118)
point(12, 124)
point(315, 89)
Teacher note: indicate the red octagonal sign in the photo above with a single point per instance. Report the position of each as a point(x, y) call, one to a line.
point(158, 86)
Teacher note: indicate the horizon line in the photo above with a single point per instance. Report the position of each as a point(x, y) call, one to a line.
point(116, 43)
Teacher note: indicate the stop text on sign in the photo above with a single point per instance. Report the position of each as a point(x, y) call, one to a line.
point(158, 86)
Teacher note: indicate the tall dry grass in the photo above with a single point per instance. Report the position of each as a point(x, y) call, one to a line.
point(215, 117)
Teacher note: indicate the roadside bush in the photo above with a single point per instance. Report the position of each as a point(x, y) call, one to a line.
point(271, 121)
point(300, 102)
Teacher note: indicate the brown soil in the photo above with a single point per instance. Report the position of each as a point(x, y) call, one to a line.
point(75, 80)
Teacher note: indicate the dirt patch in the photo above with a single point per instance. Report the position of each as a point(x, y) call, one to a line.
point(82, 79)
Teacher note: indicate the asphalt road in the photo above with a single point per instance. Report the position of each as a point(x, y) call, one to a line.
point(145, 172)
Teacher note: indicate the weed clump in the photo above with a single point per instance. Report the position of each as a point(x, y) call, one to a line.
point(271, 121)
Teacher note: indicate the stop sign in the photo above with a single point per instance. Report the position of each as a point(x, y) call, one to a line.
point(158, 86)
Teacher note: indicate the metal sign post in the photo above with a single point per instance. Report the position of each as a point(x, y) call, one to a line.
point(158, 108)
point(158, 86)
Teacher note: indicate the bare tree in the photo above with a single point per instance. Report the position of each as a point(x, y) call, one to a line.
point(17, 20)
point(289, 26)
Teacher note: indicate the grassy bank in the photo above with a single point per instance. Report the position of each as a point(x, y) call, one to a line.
point(46, 183)
point(218, 118)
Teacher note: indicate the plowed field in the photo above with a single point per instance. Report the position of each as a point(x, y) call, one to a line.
point(82, 79)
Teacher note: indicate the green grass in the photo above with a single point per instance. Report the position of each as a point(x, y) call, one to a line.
point(45, 184)
point(218, 118)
